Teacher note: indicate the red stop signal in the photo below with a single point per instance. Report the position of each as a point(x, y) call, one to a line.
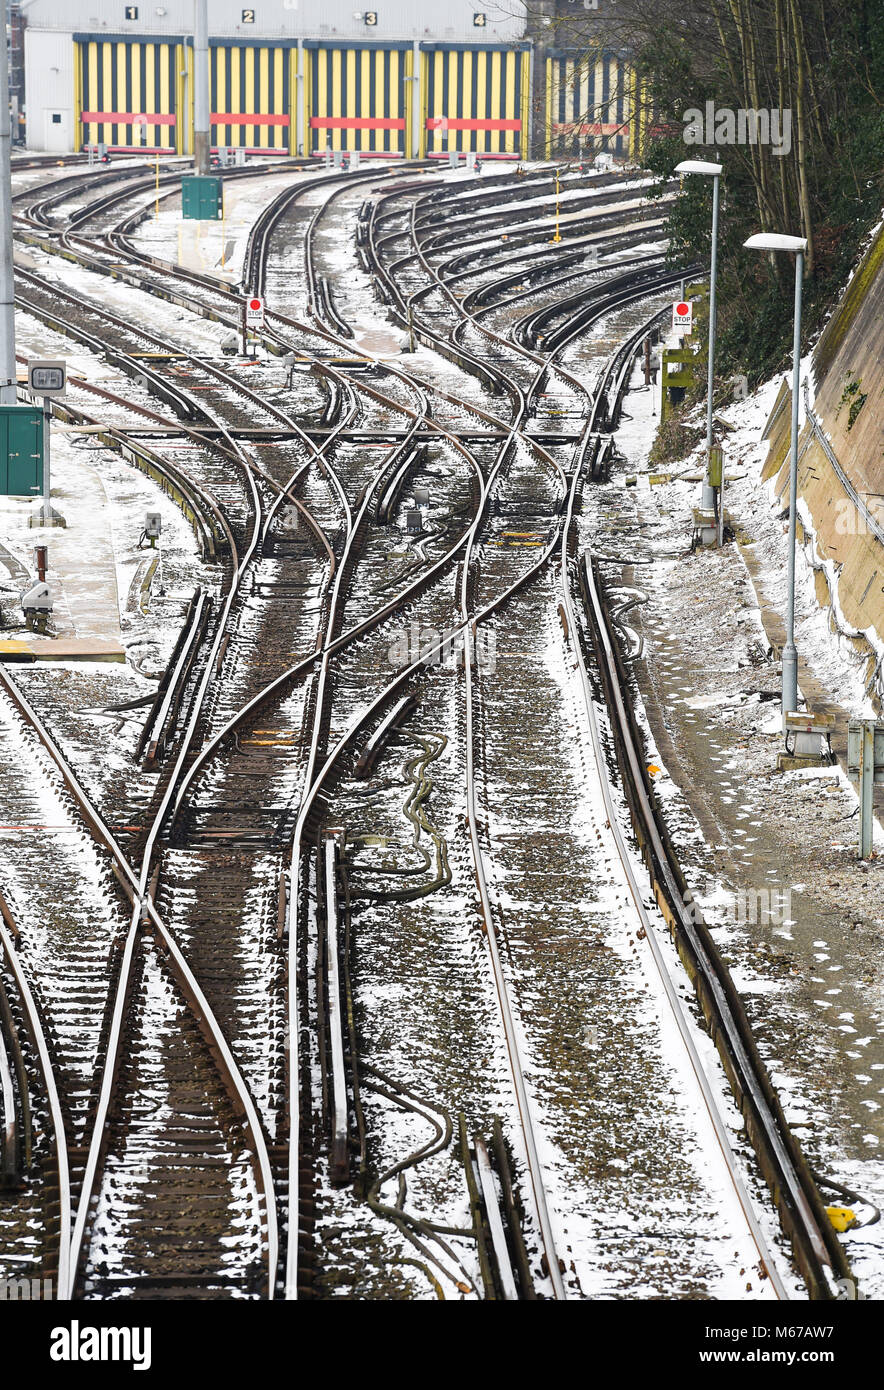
point(682, 310)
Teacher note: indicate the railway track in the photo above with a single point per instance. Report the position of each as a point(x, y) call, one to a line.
point(310, 273)
point(222, 746)
point(817, 1249)
point(349, 538)
point(74, 1021)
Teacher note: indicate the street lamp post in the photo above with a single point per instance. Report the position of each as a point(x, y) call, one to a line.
point(702, 166)
point(202, 127)
point(773, 241)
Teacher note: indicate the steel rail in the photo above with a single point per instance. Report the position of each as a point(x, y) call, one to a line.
point(626, 292)
point(534, 1167)
point(437, 241)
point(294, 1155)
point(624, 354)
point(144, 910)
point(795, 1192)
point(56, 1117)
point(502, 452)
point(134, 889)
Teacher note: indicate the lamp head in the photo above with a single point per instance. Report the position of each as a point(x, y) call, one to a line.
point(775, 241)
point(698, 166)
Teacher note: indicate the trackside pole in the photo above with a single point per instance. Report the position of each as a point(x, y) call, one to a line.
point(7, 287)
point(201, 87)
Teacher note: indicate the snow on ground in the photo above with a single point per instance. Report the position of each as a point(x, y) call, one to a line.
point(754, 841)
point(96, 569)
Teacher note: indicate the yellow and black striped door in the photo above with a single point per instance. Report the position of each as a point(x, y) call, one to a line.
point(126, 90)
point(250, 95)
point(589, 103)
point(358, 99)
point(474, 99)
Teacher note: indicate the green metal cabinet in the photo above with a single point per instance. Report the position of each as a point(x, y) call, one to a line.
point(21, 451)
point(201, 198)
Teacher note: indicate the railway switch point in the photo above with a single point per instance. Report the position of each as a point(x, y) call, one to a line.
point(37, 605)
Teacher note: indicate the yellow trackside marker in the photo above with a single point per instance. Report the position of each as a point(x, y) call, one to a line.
point(653, 769)
point(842, 1218)
point(557, 236)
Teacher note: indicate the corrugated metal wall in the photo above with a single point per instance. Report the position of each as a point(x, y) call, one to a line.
point(358, 99)
point(126, 93)
point(590, 104)
point(355, 97)
point(475, 99)
point(251, 95)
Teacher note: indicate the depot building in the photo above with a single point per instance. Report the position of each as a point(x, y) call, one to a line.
point(405, 79)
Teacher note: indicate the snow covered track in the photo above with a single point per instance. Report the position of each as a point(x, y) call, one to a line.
point(83, 1027)
point(339, 1033)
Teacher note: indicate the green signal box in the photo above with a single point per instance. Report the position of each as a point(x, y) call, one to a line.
point(21, 451)
point(202, 198)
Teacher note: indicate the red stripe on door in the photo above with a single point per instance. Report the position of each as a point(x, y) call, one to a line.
point(129, 117)
point(238, 118)
point(595, 128)
point(357, 123)
point(457, 123)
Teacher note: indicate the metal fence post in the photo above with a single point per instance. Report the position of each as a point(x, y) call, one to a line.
point(866, 788)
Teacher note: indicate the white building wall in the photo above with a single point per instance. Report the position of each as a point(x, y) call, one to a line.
point(49, 90)
point(448, 22)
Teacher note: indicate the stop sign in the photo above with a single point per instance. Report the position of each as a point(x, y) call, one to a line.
point(255, 311)
point(682, 316)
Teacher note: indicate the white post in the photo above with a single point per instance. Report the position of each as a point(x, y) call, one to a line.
point(201, 113)
point(46, 509)
point(790, 652)
point(300, 89)
point(708, 490)
point(45, 515)
point(867, 789)
point(777, 241)
point(416, 102)
point(7, 281)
